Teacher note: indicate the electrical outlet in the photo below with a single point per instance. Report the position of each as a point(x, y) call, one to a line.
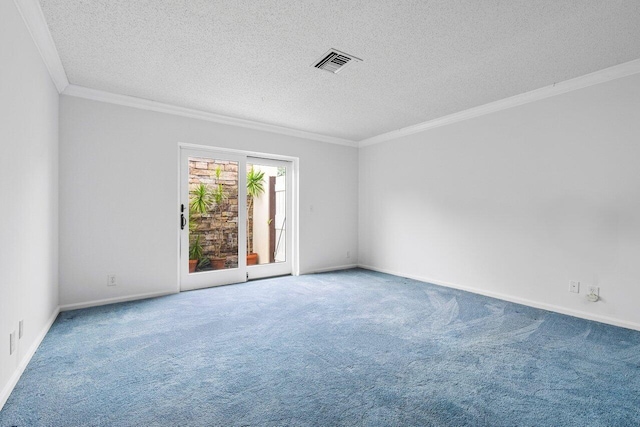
point(12, 342)
point(574, 286)
point(111, 280)
point(593, 294)
point(20, 329)
point(348, 254)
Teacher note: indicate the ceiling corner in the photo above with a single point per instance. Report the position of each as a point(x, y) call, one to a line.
point(37, 25)
point(149, 105)
point(607, 74)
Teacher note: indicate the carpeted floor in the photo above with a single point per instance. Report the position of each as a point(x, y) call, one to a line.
point(345, 348)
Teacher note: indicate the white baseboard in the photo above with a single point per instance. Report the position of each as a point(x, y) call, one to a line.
point(96, 303)
point(334, 268)
point(6, 391)
point(514, 299)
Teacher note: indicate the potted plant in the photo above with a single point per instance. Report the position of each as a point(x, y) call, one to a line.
point(255, 188)
point(200, 202)
point(218, 196)
point(195, 253)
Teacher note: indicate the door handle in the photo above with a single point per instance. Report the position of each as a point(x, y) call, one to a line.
point(183, 220)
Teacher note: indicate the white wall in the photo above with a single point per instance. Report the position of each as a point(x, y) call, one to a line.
point(28, 193)
point(516, 203)
point(118, 196)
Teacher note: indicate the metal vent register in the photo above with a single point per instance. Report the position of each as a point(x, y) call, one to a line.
point(335, 61)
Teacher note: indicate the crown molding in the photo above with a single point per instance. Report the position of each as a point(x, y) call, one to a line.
point(36, 24)
point(145, 104)
point(602, 76)
point(34, 19)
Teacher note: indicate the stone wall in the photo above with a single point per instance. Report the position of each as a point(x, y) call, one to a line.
point(218, 227)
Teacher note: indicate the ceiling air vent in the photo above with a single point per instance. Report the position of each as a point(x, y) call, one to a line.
point(335, 61)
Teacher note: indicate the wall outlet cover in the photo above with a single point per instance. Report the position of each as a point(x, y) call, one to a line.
point(574, 286)
point(12, 342)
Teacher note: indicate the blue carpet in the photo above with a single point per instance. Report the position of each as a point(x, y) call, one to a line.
point(345, 348)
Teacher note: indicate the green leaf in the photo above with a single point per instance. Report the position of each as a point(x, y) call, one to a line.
point(201, 199)
point(195, 248)
point(255, 183)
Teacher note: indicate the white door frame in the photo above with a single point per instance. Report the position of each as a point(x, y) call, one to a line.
point(276, 268)
point(233, 276)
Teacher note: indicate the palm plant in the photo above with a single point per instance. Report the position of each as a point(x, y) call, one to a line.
point(200, 202)
point(201, 199)
point(195, 248)
point(218, 196)
point(255, 187)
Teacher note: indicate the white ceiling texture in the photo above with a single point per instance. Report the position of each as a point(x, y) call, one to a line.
point(421, 60)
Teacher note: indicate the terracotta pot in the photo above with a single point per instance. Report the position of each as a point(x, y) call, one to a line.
point(218, 263)
point(252, 259)
point(193, 263)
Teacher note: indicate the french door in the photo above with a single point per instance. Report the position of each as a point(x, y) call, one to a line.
point(235, 218)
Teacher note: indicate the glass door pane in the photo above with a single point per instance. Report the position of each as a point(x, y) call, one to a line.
point(266, 214)
point(268, 217)
point(213, 215)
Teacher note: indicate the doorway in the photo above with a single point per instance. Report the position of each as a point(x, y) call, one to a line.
point(236, 217)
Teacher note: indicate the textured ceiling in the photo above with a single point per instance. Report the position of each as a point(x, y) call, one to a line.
point(421, 59)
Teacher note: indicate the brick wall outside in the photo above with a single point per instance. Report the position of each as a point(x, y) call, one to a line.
point(220, 225)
